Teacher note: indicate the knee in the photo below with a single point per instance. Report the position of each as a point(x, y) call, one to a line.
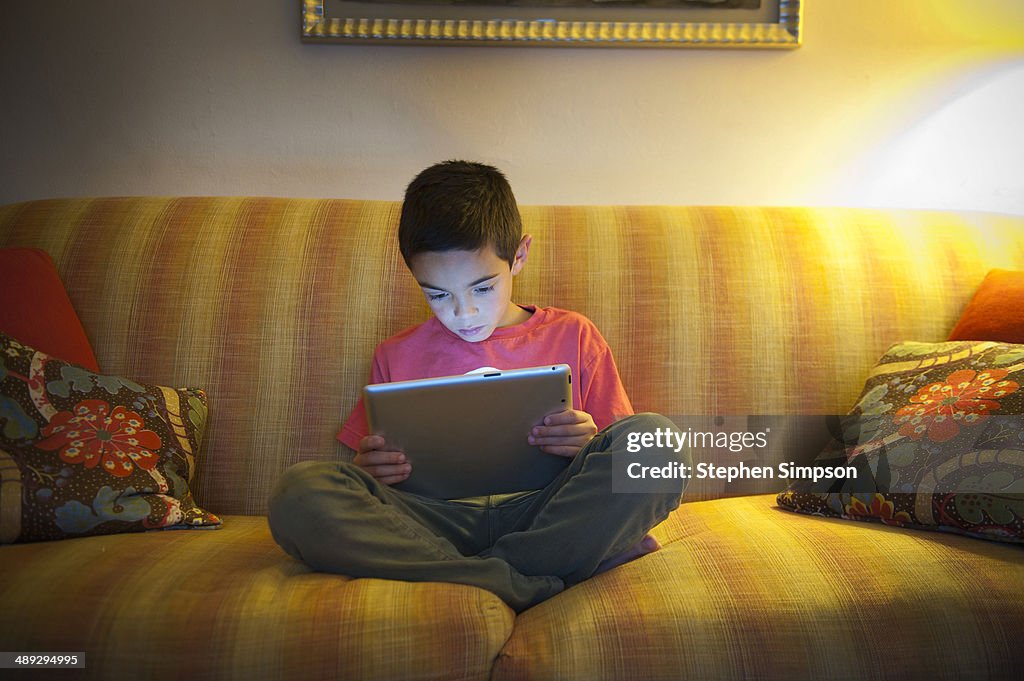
point(651, 432)
point(292, 483)
point(298, 502)
point(295, 496)
point(654, 457)
point(648, 420)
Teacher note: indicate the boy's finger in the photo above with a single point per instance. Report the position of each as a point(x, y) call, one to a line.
point(392, 473)
point(376, 458)
point(562, 418)
point(371, 442)
point(570, 430)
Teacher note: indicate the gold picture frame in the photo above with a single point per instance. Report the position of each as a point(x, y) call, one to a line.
point(556, 23)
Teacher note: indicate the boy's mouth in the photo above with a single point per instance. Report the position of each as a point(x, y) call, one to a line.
point(471, 331)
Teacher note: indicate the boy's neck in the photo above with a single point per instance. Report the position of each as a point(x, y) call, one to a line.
point(519, 314)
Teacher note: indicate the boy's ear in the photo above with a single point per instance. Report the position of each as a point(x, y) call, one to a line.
point(521, 252)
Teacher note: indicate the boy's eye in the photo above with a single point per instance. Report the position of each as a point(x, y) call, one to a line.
point(435, 296)
point(484, 289)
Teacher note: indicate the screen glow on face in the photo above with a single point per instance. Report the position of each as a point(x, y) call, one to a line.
point(470, 292)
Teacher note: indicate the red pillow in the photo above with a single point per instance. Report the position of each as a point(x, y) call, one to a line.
point(996, 312)
point(35, 308)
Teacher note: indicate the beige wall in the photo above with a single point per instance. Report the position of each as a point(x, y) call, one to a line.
point(913, 103)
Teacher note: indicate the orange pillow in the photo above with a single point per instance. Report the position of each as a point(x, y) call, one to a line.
point(996, 312)
point(36, 310)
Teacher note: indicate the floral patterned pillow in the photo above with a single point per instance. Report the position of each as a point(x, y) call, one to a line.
point(937, 439)
point(84, 454)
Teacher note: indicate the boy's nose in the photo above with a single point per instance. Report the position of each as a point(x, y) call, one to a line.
point(464, 309)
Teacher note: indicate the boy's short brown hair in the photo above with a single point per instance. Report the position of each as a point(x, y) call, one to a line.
point(458, 205)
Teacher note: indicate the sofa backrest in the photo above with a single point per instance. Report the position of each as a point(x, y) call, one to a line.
point(274, 306)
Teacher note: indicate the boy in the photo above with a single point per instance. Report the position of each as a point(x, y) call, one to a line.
point(460, 234)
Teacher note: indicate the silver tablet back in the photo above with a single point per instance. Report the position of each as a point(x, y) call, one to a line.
point(466, 435)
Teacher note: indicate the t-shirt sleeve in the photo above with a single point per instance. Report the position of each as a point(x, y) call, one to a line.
point(601, 390)
point(356, 427)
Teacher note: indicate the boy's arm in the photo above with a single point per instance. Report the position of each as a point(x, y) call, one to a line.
point(355, 427)
point(387, 466)
point(601, 390)
point(604, 402)
point(564, 433)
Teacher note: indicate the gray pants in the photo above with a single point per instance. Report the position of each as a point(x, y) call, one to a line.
point(525, 547)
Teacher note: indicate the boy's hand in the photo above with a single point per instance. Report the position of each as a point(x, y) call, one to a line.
point(389, 467)
point(564, 432)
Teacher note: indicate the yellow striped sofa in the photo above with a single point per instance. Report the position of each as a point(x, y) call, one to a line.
point(273, 306)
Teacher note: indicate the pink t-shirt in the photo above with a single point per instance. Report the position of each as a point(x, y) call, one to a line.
point(549, 336)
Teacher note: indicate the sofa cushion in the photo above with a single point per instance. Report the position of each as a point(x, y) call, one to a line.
point(231, 605)
point(743, 590)
point(35, 307)
point(83, 454)
point(936, 440)
point(996, 312)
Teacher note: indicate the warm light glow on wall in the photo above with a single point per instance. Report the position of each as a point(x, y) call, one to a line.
point(966, 147)
point(937, 118)
point(888, 103)
point(997, 25)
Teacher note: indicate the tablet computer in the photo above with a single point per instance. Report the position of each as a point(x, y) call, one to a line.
point(465, 435)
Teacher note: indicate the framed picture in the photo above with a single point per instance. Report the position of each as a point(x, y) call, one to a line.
point(554, 23)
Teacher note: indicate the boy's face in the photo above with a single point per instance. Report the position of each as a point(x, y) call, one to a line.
point(470, 292)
